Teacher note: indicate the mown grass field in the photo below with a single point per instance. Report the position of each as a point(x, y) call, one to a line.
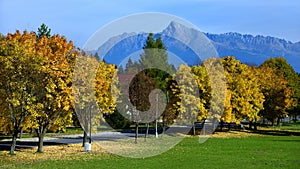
point(251, 151)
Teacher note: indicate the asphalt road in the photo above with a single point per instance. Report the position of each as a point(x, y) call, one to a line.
point(77, 138)
point(65, 139)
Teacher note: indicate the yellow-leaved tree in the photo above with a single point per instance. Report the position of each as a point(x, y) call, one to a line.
point(19, 78)
point(191, 108)
point(53, 93)
point(36, 82)
point(84, 91)
point(278, 95)
point(212, 88)
point(246, 98)
point(106, 87)
point(94, 92)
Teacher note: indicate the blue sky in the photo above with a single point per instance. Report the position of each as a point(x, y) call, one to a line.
point(79, 19)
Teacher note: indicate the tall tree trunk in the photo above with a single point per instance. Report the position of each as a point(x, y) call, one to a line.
point(295, 118)
point(255, 124)
point(278, 121)
point(250, 125)
point(229, 126)
point(215, 125)
point(193, 127)
point(136, 132)
point(84, 138)
point(41, 134)
point(41, 142)
point(147, 131)
point(21, 134)
point(164, 125)
point(14, 142)
point(203, 128)
point(221, 125)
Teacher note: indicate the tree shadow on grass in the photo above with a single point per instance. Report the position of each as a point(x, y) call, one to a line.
point(5, 145)
point(274, 132)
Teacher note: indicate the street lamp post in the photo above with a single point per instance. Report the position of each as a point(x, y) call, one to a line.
point(91, 124)
point(156, 112)
point(87, 146)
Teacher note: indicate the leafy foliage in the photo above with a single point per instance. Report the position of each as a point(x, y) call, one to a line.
point(277, 94)
point(36, 80)
point(191, 108)
point(246, 99)
point(282, 67)
point(54, 89)
point(94, 91)
point(19, 80)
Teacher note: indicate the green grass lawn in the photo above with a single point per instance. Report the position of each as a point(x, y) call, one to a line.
point(246, 152)
point(289, 126)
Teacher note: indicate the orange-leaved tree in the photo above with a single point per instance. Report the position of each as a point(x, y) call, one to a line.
point(55, 87)
point(278, 95)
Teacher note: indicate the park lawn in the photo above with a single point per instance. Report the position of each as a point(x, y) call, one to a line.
point(288, 126)
point(239, 152)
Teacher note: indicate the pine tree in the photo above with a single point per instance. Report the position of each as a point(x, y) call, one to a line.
point(43, 30)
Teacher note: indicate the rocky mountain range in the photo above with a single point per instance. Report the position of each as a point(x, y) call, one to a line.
point(255, 49)
point(181, 40)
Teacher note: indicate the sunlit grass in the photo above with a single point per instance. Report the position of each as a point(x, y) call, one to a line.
point(244, 152)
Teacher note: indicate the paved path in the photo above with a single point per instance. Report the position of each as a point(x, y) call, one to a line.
point(63, 139)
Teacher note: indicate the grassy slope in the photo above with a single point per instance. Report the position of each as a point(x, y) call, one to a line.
point(248, 152)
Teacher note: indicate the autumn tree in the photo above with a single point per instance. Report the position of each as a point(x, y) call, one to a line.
point(54, 90)
point(19, 78)
point(281, 66)
point(246, 98)
point(106, 90)
point(277, 94)
point(203, 83)
point(5, 121)
point(204, 88)
point(232, 72)
point(106, 84)
point(37, 81)
point(211, 82)
point(84, 91)
point(192, 107)
point(94, 91)
point(255, 97)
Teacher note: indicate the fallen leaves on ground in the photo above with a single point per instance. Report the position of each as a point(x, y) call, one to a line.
point(61, 152)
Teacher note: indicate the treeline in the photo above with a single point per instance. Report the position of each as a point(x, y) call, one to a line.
point(268, 92)
point(44, 78)
point(227, 90)
point(36, 83)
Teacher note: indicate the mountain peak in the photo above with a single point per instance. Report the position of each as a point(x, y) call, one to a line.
point(172, 28)
point(182, 32)
point(173, 24)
